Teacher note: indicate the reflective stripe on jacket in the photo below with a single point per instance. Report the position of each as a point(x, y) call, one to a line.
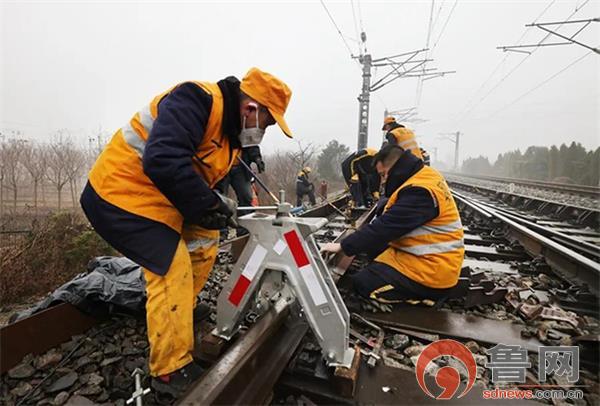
point(405, 139)
point(118, 175)
point(431, 254)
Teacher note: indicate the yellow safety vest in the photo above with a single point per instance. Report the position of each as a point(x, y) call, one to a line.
point(118, 176)
point(405, 139)
point(431, 254)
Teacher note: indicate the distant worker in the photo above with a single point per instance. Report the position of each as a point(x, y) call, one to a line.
point(323, 190)
point(151, 195)
point(399, 135)
point(240, 179)
point(417, 242)
point(361, 177)
point(426, 157)
point(305, 187)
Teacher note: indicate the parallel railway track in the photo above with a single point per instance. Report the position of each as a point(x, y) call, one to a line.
point(574, 189)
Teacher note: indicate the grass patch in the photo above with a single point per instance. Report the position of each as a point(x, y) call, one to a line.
point(57, 248)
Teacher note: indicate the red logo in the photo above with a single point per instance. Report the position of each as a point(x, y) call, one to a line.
point(447, 377)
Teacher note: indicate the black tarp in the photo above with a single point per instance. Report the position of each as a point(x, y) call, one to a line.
point(111, 285)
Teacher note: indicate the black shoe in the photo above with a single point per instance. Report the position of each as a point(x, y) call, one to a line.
point(201, 312)
point(177, 382)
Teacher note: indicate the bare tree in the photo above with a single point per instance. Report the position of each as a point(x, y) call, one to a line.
point(57, 154)
point(12, 157)
point(34, 161)
point(76, 161)
point(280, 174)
point(304, 155)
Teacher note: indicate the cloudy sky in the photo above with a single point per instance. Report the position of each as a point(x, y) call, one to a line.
point(86, 66)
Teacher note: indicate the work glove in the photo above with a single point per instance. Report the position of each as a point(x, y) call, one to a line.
point(226, 206)
point(252, 154)
point(221, 216)
point(216, 221)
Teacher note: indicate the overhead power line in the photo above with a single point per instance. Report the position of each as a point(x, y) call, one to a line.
point(354, 18)
point(437, 15)
point(337, 28)
point(542, 83)
point(445, 24)
point(505, 77)
point(568, 40)
point(420, 82)
point(498, 66)
point(362, 28)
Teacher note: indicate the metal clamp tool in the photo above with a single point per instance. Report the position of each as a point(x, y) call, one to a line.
point(281, 264)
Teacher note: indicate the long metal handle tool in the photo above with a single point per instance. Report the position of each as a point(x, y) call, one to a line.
point(257, 207)
point(335, 208)
point(260, 182)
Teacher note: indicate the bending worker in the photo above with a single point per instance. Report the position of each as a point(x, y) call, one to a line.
point(399, 135)
point(150, 195)
point(305, 187)
point(361, 177)
point(417, 242)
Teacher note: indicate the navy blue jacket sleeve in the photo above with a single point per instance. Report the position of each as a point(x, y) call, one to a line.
point(414, 207)
point(305, 180)
point(176, 133)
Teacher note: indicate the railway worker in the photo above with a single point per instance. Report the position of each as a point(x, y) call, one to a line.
point(361, 177)
point(399, 135)
point(417, 242)
point(323, 190)
point(305, 187)
point(240, 179)
point(151, 195)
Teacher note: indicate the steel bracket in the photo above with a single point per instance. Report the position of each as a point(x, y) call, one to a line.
point(281, 261)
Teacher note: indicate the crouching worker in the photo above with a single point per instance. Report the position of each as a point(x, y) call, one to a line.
point(417, 242)
point(150, 195)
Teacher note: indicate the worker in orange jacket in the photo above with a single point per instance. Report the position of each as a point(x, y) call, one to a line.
point(151, 195)
point(397, 134)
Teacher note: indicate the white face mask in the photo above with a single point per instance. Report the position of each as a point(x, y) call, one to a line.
point(250, 137)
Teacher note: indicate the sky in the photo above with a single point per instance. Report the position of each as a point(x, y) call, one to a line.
point(89, 66)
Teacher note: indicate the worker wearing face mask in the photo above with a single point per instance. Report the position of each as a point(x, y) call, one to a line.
point(150, 195)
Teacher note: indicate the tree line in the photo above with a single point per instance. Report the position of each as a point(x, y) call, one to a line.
point(38, 177)
point(28, 168)
point(565, 164)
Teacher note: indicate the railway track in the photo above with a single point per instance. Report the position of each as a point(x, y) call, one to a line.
point(514, 290)
point(573, 189)
point(566, 210)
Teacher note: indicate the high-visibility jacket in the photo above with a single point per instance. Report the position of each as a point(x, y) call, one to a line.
point(405, 139)
point(118, 176)
point(431, 254)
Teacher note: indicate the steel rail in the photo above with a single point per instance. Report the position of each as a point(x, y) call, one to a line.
point(587, 190)
point(583, 215)
point(583, 247)
point(248, 370)
point(566, 262)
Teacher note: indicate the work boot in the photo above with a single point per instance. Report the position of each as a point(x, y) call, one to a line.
point(201, 312)
point(178, 381)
